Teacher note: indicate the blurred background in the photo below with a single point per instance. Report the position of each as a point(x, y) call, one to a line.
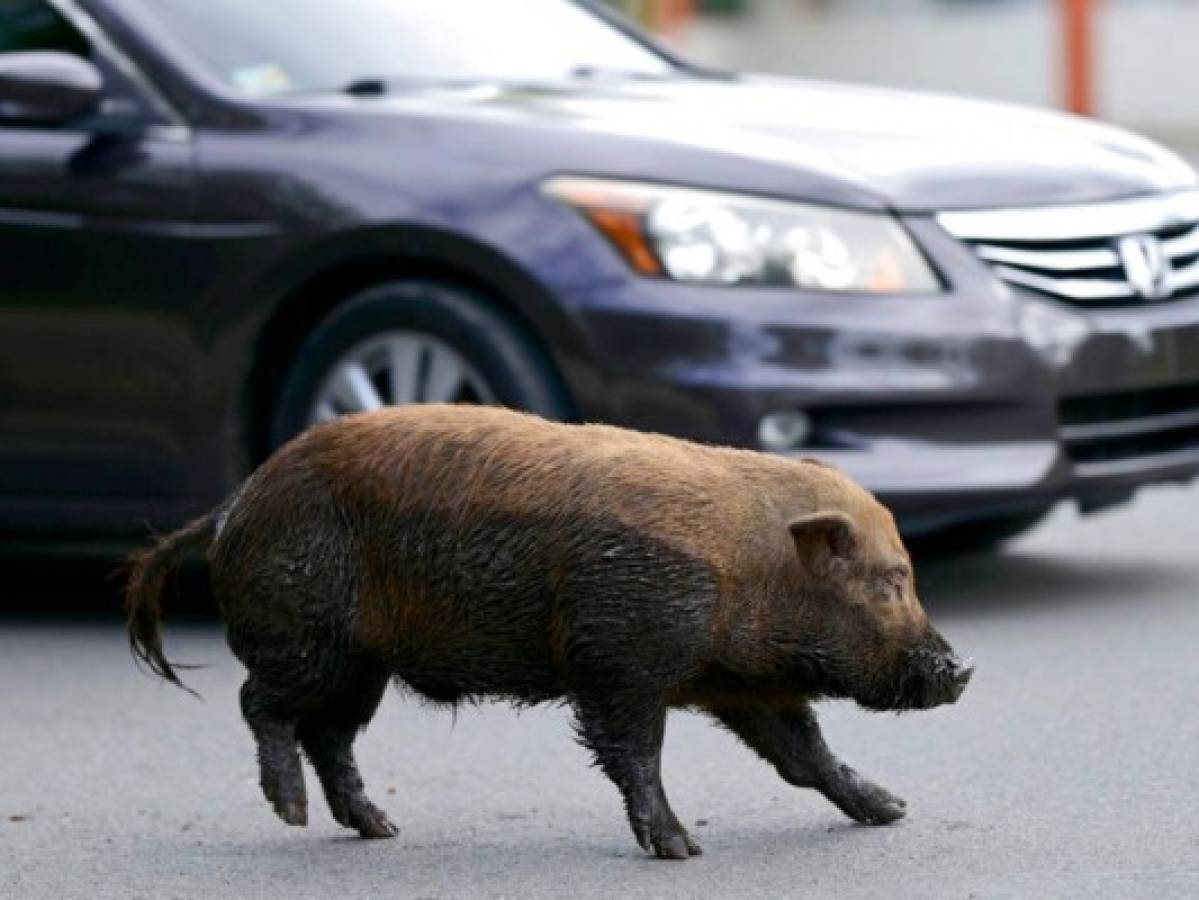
point(1129, 62)
point(142, 373)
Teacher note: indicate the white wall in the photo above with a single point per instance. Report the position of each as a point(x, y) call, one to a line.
point(1148, 52)
point(1150, 67)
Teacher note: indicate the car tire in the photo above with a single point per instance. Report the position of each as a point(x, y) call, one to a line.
point(500, 363)
point(976, 535)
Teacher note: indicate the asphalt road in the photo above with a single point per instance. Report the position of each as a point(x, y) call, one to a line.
point(1068, 770)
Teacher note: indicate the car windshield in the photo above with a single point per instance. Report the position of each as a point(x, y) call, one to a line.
point(263, 48)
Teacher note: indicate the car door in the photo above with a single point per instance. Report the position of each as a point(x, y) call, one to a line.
point(97, 282)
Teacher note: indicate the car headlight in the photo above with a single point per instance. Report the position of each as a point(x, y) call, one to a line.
point(708, 237)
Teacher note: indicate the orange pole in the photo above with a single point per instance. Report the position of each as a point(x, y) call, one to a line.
point(669, 16)
point(1078, 30)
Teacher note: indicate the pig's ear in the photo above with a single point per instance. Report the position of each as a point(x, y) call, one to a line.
point(825, 534)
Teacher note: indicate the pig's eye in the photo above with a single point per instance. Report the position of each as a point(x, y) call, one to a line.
point(896, 580)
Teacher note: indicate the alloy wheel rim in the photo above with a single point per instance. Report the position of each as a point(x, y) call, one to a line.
point(395, 369)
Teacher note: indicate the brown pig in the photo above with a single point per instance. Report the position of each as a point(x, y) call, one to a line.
point(473, 552)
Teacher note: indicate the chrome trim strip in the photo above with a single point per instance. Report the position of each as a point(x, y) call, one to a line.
point(1056, 260)
point(1185, 278)
point(1183, 245)
point(1071, 288)
point(1130, 427)
point(1137, 464)
point(1068, 223)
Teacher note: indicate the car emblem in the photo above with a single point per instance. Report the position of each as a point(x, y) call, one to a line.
point(1146, 266)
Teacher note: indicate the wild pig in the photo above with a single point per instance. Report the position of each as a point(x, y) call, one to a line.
point(474, 552)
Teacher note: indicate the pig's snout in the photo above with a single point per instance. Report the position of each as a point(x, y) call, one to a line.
point(932, 674)
point(959, 678)
point(944, 675)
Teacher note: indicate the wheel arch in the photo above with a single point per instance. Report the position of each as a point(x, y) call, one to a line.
point(330, 273)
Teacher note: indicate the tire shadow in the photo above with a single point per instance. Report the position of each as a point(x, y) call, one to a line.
point(1021, 580)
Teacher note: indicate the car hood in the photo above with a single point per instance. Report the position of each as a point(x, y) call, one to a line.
point(911, 151)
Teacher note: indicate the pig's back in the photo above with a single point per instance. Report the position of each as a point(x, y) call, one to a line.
point(467, 463)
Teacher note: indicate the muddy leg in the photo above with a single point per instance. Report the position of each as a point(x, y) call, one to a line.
point(791, 741)
point(628, 747)
point(274, 730)
point(327, 737)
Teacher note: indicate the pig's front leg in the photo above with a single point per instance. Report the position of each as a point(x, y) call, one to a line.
point(791, 741)
point(626, 738)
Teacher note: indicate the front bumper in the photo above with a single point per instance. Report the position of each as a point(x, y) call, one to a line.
point(964, 405)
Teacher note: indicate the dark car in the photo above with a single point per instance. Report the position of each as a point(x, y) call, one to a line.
point(223, 220)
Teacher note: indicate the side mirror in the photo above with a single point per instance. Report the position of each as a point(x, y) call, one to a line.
point(47, 88)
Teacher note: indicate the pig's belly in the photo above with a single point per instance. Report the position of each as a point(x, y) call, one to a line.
point(450, 663)
point(453, 680)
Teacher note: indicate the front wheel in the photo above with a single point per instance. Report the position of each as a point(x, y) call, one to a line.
point(414, 342)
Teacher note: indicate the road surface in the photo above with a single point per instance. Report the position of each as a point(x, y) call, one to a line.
point(1068, 770)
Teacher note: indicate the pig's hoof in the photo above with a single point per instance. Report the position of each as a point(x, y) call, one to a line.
point(293, 813)
point(873, 805)
point(373, 823)
point(676, 846)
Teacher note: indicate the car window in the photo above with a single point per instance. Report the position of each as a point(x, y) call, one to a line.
point(261, 48)
point(35, 25)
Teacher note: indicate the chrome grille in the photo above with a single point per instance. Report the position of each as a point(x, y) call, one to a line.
point(1077, 254)
point(1104, 433)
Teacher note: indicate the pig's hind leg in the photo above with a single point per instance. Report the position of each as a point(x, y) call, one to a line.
point(626, 739)
point(791, 741)
point(274, 731)
point(327, 736)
